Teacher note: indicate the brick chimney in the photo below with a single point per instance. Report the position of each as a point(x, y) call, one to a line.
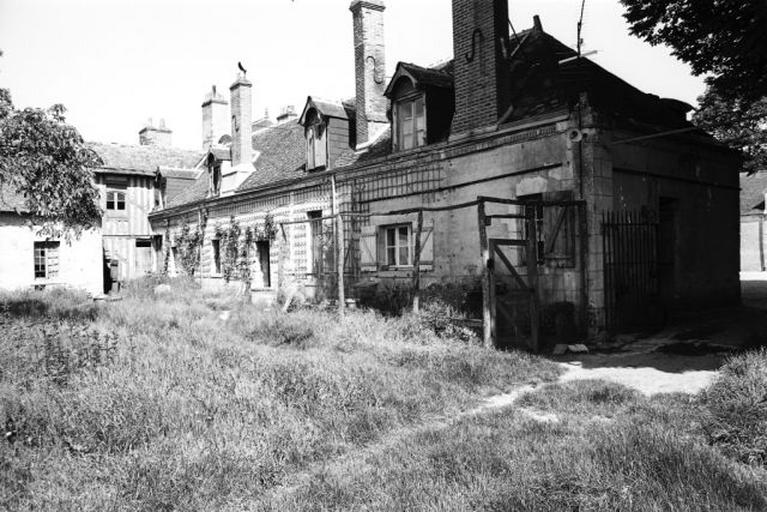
point(370, 68)
point(480, 39)
point(242, 143)
point(215, 118)
point(151, 135)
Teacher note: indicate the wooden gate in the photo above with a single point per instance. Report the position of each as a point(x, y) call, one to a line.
point(630, 243)
point(512, 309)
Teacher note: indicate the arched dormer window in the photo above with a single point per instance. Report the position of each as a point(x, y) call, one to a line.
point(316, 142)
point(422, 105)
point(409, 115)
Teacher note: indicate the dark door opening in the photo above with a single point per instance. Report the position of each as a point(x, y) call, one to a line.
point(667, 250)
point(263, 262)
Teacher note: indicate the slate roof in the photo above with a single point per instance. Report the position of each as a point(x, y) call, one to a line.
point(540, 86)
point(136, 159)
point(425, 77)
point(752, 190)
point(282, 156)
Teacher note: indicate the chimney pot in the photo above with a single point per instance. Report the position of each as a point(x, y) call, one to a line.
point(537, 25)
point(215, 118)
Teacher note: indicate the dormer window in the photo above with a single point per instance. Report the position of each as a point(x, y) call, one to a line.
point(422, 105)
point(316, 142)
point(411, 123)
point(215, 182)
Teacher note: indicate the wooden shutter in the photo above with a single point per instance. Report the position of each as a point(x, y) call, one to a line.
point(427, 245)
point(559, 231)
point(369, 249)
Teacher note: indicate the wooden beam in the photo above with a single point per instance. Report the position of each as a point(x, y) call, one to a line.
point(339, 247)
point(417, 264)
point(532, 279)
point(488, 324)
point(511, 268)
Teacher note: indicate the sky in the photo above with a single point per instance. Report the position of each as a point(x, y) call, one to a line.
point(116, 63)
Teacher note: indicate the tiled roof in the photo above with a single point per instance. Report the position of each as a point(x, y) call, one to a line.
point(752, 190)
point(143, 159)
point(282, 154)
point(430, 76)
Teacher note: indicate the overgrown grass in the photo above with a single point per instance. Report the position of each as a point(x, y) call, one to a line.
point(609, 449)
point(157, 404)
point(736, 407)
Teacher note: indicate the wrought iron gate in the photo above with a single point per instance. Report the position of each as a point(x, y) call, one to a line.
point(630, 243)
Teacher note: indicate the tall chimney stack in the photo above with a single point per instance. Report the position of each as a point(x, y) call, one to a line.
point(151, 135)
point(480, 39)
point(242, 143)
point(370, 68)
point(215, 118)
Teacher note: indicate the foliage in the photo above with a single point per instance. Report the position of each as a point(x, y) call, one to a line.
point(723, 38)
point(46, 160)
point(740, 124)
point(188, 244)
point(388, 297)
point(190, 412)
point(229, 245)
point(236, 245)
point(737, 407)
point(524, 459)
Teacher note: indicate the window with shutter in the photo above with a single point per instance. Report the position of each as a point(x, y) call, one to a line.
point(369, 249)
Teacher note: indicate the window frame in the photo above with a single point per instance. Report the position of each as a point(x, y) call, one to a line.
point(397, 246)
point(42, 254)
point(113, 195)
point(316, 134)
point(411, 98)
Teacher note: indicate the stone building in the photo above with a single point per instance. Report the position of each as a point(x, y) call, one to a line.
point(134, 180)
point(32, 259)
point(753, 210)
point(519, 161)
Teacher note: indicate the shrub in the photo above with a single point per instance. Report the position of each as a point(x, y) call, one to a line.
point(56, 304)
point(389, 298)
point(736, 405)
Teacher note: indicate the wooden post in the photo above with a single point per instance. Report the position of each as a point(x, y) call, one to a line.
point(532, 276)
point(417, 264)
point(339, 248)
point(488, 324)
point(583, 241)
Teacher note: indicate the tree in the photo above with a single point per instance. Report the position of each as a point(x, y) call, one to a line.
point(726, 39)
point(46, 161)
point(740, 124)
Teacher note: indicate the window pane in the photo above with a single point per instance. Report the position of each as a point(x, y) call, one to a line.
point(390, 237)
point(391, 256)
point(404, 236)
point(404, 256)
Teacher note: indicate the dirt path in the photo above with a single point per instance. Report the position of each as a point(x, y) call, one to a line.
point(646, 379)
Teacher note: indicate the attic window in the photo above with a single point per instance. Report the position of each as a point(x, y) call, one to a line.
point(411, 123)
point(215, 180)
point(409, 115)
point(316, 142)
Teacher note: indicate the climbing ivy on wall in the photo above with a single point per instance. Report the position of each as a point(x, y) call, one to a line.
point(188, 244)
point(236, 247)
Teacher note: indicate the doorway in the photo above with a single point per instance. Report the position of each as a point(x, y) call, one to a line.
point(263, 262)
point(667, 250)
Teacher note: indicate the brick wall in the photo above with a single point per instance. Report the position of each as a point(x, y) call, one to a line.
point(480, 29)
point(369, 66)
